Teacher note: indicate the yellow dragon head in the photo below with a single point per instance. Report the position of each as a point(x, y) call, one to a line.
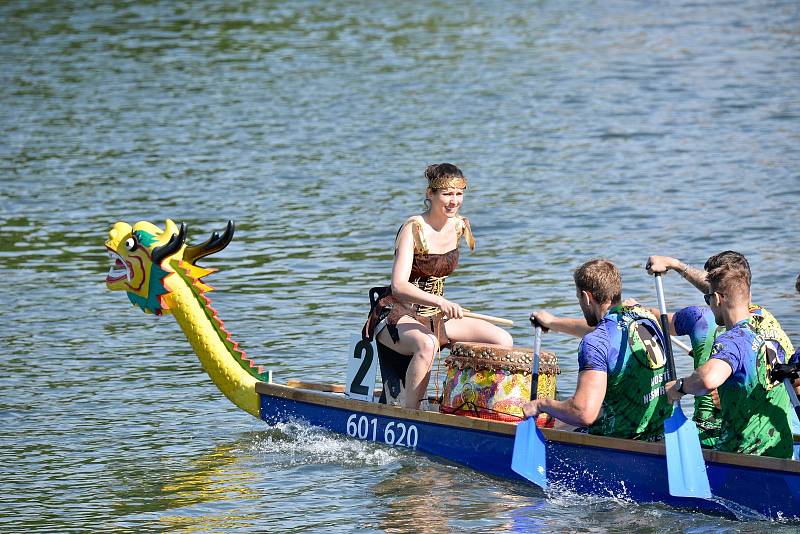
point(145, 258)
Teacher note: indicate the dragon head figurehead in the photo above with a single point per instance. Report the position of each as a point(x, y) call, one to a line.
point(159, 273)
point(145, 258)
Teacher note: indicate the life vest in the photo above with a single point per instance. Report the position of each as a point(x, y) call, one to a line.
point(635, 405)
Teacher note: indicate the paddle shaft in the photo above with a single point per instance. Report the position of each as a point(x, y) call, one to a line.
point(662, 308)
point(681, 344)
point(537, 346)
point(529, 457)
point(488, 318)
point(686, 469)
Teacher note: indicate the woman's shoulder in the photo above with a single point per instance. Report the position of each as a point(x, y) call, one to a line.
point(464, 229)
point(414, 225)
point(415, 220)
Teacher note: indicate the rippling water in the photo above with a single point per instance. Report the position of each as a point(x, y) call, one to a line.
point(614, 128)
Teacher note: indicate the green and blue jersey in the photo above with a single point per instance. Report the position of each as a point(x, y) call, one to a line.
point(628, 344)
point(755, 410)
point(698, 323)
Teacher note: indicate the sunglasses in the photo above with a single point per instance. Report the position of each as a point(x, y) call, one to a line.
point(707, 297)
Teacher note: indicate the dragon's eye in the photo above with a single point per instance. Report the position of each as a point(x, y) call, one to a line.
point(131, 244)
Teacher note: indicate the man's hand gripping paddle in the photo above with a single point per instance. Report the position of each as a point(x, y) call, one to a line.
point(529, 457)
point(788, 373)
point(686, 468)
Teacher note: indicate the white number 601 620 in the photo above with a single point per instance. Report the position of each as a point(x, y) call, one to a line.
point(395, 433)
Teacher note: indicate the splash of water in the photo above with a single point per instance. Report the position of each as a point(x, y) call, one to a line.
point(740, 512)
point(298, 443)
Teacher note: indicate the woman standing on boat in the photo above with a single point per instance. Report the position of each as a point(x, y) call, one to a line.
point(412, 317)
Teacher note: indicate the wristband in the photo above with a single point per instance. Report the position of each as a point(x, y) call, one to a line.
point(679, 386)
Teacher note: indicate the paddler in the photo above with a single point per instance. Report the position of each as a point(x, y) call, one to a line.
point(699, 324)
point(621, 362)
point(755, 411)
point(412, 317)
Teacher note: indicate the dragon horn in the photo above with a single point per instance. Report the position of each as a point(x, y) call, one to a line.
point(215, 243)
point(171, 247)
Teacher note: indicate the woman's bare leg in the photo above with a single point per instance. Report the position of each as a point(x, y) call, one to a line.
point(471, 330)
point(419, 342)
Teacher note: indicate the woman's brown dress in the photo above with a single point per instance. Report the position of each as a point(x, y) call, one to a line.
point(428, 272)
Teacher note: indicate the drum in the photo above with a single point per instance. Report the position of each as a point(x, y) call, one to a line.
point(493, 382)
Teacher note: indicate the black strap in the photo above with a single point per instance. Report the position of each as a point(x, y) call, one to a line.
point(377, 293)
point(785, 370)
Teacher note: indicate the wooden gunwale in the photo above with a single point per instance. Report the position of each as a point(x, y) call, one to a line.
point(335, 400)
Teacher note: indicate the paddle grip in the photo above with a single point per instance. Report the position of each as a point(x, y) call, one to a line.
point(536, 323)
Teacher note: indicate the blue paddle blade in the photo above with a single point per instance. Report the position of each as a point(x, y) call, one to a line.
point(529, 458)
point(686, 468)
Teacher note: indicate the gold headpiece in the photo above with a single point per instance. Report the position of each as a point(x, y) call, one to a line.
point(445, 175)
point(443, 182)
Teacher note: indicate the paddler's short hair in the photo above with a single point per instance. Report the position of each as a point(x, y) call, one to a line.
point(444, 175)
point(730, 258)
point(601, 278)
point(729, 273)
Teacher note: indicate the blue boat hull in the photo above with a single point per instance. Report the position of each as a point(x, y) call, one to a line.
point(743, 486)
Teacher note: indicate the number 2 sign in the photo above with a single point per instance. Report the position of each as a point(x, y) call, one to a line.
point(362, 366)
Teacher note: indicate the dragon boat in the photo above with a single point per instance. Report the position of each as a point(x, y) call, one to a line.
point(159, 272)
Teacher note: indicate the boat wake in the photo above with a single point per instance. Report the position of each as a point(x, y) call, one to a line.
point(298, 443)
